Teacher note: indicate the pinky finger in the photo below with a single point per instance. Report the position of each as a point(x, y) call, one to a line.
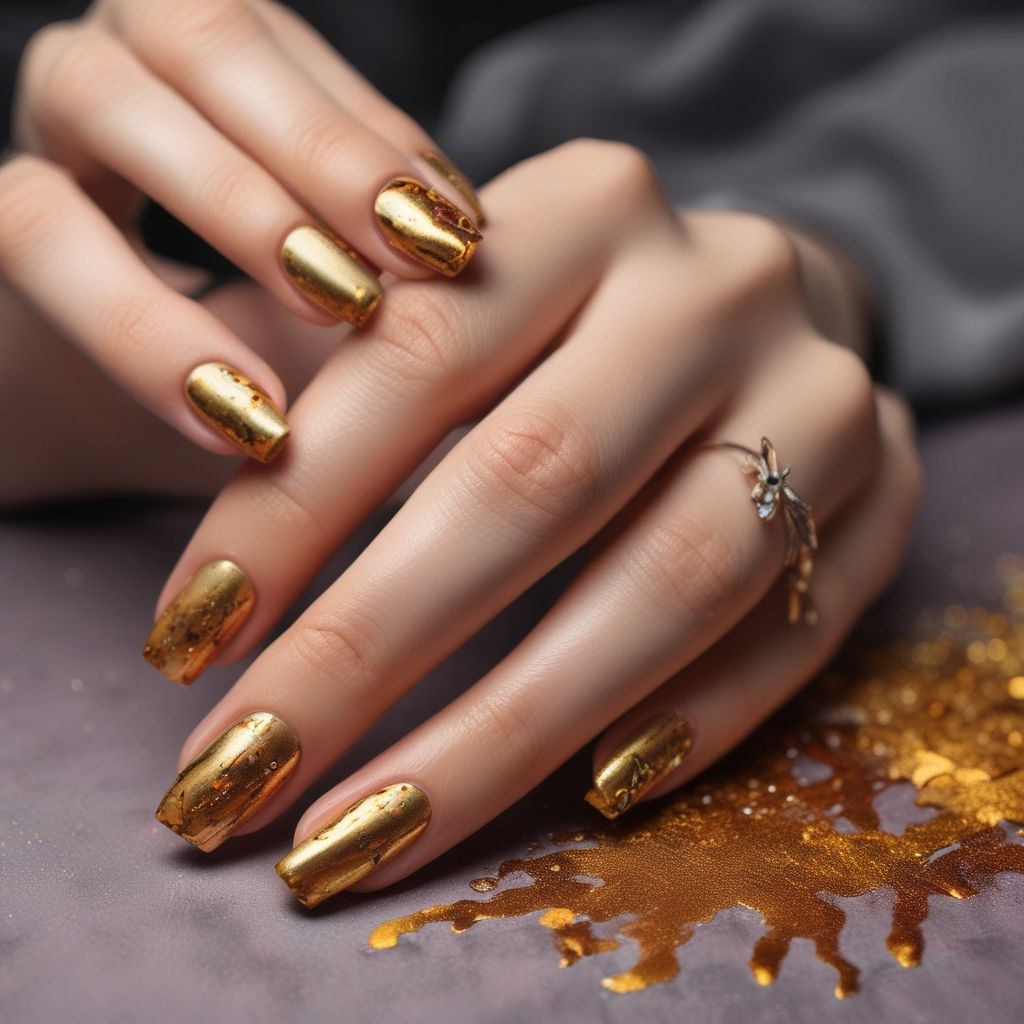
point(716, 701)
point(61, 253)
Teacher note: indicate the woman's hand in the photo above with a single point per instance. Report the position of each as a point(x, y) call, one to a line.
point(240, 120)
point(603, 341)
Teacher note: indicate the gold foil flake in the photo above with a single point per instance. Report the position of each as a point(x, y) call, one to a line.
point(937, 713)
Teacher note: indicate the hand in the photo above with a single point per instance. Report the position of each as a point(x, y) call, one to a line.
point(603, 341)
point(240, 120)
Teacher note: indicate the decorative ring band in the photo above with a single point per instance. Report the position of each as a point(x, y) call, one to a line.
point(770, 495)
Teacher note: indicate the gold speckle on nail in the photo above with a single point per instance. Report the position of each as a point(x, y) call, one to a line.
point(238, 410)
point(203, 616)
point(230, 781)
point(420, 222)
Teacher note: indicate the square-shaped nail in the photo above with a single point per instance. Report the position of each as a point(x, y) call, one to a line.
point(203, 616)
point(330, 274)
point(230, 780)
point(644, 759)
point(237, 409)
point(368, 834)
point(420, 222)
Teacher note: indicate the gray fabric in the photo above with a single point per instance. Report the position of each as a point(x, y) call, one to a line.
point(893, 128)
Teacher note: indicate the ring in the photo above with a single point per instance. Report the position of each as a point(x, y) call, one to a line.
point(771, 493)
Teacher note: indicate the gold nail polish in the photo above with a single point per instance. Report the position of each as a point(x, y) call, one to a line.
point(421, 223)
point(230, 781)
point(370, 833)
point(237, 409)
point(459, 181)
point(204, 615)
point(656, 749)
point(331, 274)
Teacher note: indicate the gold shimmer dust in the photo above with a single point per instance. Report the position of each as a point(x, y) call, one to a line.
point(789, 822)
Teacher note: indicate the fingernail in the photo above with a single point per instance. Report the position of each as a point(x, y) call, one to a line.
point(424, 225)
point(643, 760)
point(369, 834)
point(230, 780)
point(238, 410)
point(330, 274)
point(459, 181)
point(204, 615)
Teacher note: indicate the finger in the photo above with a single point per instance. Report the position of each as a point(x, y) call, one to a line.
point(98, 94)
point(434, 358)
point(682, 574)
point(220, 55)
point(730, 690)
point(60, 252)
point(346, 86)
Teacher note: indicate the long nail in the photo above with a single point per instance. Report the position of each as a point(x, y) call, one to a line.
point(230, 780)
point(369, 834)
point(459, 181)
point(204, 615)
point(421, 223)
point(330, 274)
point(237, 409)
point(656, 749)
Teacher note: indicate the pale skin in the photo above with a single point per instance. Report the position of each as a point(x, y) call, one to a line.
point(599, 339)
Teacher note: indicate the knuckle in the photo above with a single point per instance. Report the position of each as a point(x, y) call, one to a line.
point(418, 339)
point(30, 214)
point(323, 142)
point(130, 327)
point(42, 49)
point(228, 188)
point(538, 463)
point(280, 504)
point(340, 647)
point(617, 167)
point(517, 736)
point(190, 27)
point(763, 264)
point(84, 78)
point(689, 567)
point(849, 387)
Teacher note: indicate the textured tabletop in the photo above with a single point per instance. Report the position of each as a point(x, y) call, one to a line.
point(105, 916)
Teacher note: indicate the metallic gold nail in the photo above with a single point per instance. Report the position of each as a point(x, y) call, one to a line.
point(370, 833)
point(331, 274)
point(237, 409)
point(643, 760)
point(459, 181)
point(204, 615)
point(423, 224)
point(230, 780)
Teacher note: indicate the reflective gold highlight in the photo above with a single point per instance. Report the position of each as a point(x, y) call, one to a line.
point(230, 781)
point(459, 181)
point(203, 616)
point(643, 760)
point(790, 821)
point(237, 409)
point(369, 834)
point(420, 222)
point(331, 274)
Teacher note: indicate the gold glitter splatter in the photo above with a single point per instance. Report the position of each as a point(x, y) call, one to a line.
point(936, 713)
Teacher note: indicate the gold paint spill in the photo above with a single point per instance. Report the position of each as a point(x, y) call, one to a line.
point(789, 823)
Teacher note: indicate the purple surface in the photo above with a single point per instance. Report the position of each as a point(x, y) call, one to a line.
point(105, 916)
